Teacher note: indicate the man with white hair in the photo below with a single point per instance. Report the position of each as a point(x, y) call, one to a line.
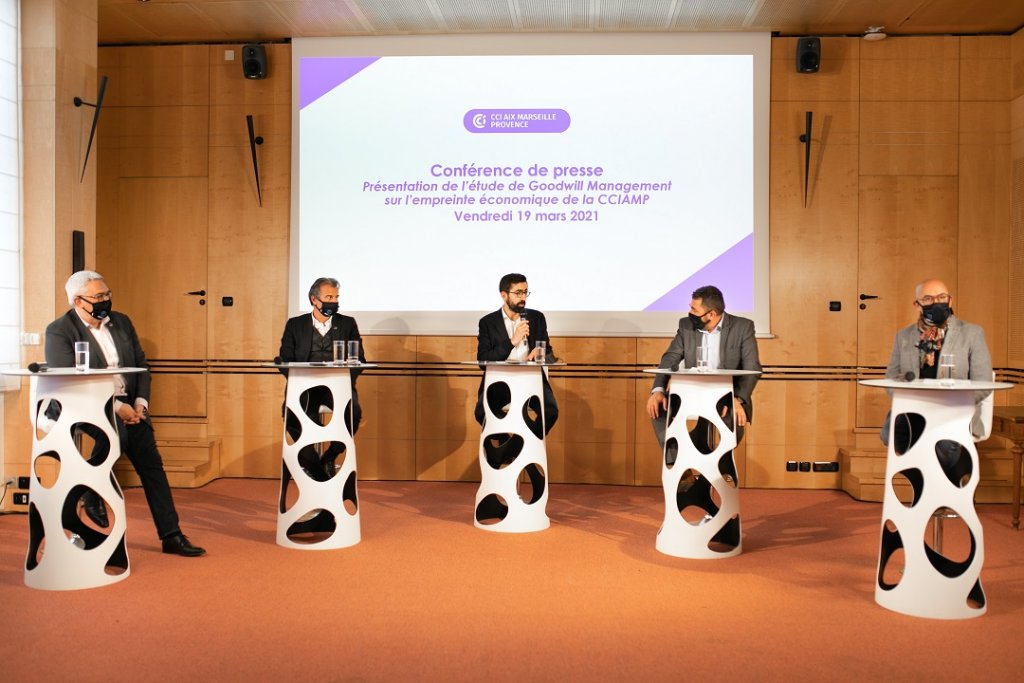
point(113, 343)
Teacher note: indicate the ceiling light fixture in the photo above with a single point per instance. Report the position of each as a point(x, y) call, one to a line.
point(874, 33)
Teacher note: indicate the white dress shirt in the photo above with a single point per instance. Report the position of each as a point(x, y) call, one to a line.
point(522, 350)
point(105, 339)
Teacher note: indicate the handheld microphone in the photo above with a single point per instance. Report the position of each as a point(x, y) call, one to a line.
point(277, 360)
point(910, 376)
point(675, 367)
point(38, 367)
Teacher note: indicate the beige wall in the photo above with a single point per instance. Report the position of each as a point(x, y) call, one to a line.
point(911, 176)
point(58, 63)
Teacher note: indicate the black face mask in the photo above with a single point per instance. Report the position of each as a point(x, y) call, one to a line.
point(936, 314)
point(328, 308)
point(101, 309)
point(697, 321)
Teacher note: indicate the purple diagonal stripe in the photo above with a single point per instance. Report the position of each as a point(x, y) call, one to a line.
point(319, 75)
point(732, 272)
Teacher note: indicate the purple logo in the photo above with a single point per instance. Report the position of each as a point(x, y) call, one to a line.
point(516, 120)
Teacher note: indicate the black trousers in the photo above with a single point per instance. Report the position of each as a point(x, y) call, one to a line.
point(138, 442)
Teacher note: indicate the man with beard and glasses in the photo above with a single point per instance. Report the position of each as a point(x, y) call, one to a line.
point(731, 346)
point(916, 352)
point(113, 343)
point(310, 337)
point(511, 333)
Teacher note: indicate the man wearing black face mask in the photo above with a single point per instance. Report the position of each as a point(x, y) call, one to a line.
point(113, 343)
point(310, 338)
point(917, 348)
point(732, 346)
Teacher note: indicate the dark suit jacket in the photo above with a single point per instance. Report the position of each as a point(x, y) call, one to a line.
point(738, 351)
point(492, 342)
point(298, 338)
point(63, 332)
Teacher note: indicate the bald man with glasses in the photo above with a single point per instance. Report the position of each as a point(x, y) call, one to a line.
point(936, 332)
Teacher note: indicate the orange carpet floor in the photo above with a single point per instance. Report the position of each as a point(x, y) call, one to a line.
point(427, 597)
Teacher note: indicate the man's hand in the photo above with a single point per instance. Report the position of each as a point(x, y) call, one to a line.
point(127, 414)
point(521, 332)
point(741, 412)
point(656, 404)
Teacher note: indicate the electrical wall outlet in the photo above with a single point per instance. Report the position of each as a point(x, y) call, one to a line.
point(805, 466)
point(23, 482)
point(20, 499)
point(826, 466)
point(791, 465)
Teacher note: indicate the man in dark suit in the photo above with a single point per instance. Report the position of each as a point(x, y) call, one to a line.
point(310, 338)
point(512, 333)
point(114, 343)
point(731, 346)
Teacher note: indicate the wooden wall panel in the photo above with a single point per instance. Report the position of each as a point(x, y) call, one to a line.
point(908, 229)
point(915, 69)
point(908, 138)
point(161, 257)
point(386, 440)
point(447, 436)
point(594, 432)
point(837, 78)
point(243, 230)
point(248, 252)
point(156, 76)
point(157, 141)
point(983, 244)
point(1017, 64)
point(1015, 322)
point(813, 251)
point(646, 452)
point(803, 420)
point(985, 68)
point(178, 394)
point(649, 350)
point(245, 414)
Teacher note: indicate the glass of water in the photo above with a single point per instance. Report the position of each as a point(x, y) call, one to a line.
point(338, 349)
point(703, 356)
point(81, 356)
point(542, 352)
point(947, 367)
point(353, 352)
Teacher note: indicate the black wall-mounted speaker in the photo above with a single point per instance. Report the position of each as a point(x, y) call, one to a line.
point(808, 54)
point(77, 251)
point(254, 61)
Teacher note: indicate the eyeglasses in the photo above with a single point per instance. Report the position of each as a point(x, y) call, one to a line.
point(328, 299)
point(929, 300)
point(523, 293)
point(102, 296)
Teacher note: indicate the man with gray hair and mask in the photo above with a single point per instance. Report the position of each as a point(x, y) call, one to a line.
point(310, 338)
point(113, 343)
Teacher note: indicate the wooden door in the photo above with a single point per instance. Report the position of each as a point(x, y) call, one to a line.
point(907, 233)
point(161, 256)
